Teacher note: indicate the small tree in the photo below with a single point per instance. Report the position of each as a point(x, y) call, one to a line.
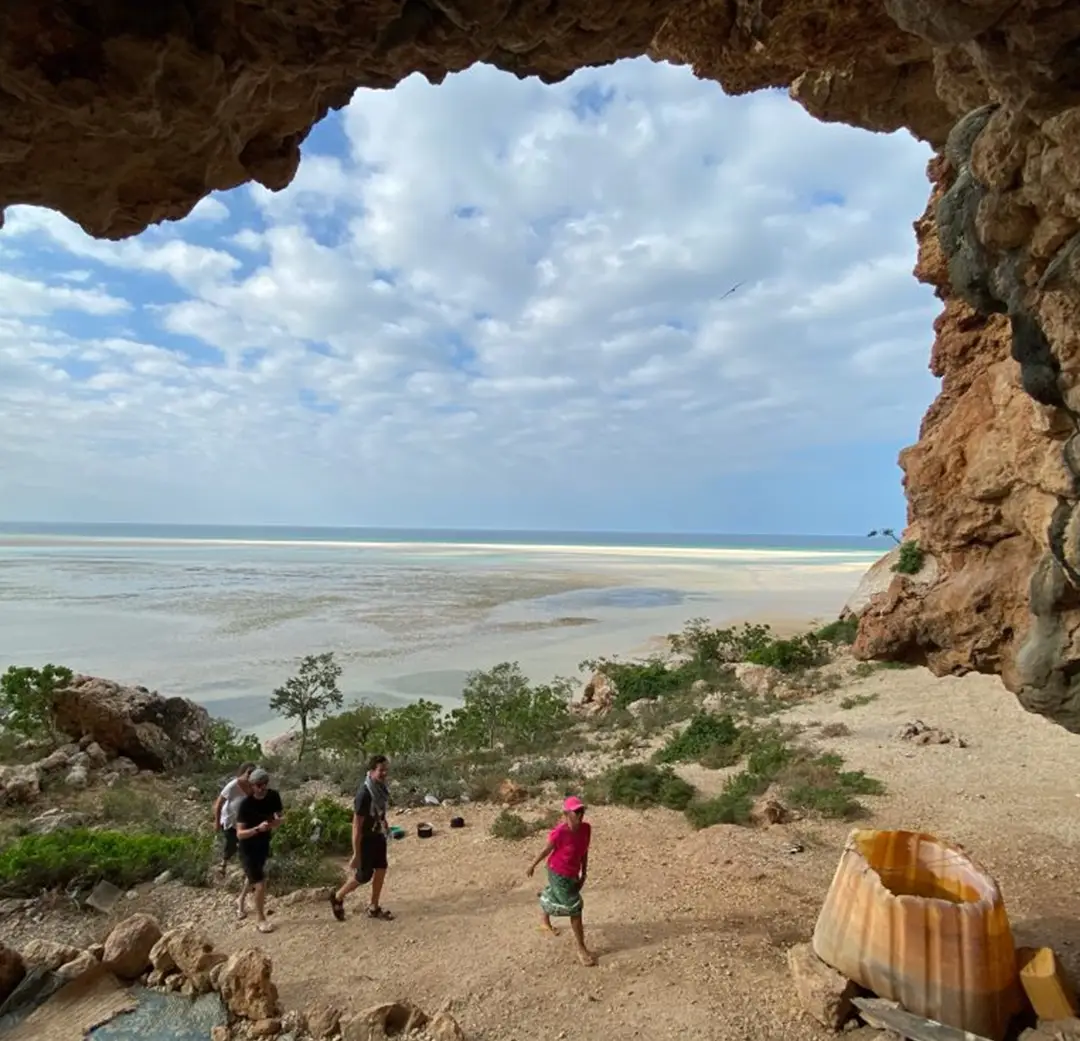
point(231, 745)
point(883, 533)
point(480, 722)
point(310, 694)
point(349, 733)
point(26, 697)
point(411, 728)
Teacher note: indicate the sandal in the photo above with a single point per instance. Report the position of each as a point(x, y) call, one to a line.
point(241, 913)
point(381, 913)
point(265, 927)
point(338, 907)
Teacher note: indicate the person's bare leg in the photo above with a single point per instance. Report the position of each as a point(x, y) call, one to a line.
point(260, 908)
point(347, 889)
point(241, 900)
point(545, 924)
point(585, 956)
point(377, 879)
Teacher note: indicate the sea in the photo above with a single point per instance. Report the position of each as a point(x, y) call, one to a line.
point(222, 615)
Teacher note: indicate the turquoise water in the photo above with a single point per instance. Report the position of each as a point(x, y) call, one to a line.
point(398, 536)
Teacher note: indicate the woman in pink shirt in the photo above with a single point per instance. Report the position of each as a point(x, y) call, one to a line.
point(567, 853)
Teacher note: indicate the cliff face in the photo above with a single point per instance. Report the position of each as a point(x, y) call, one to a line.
point(123, 114)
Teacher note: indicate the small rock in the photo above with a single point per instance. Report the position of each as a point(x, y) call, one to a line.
point(214, 976)
point(265, 1028)
point(220, 1033)
point(823, 992)
point(54, 762)
point(78, 967)
point(161, 957)
point(388, 1020)
point(294, 1022)
point(123, 765)
point(192, 950)
point(97, 950)
point(96, 755)
point(323, 1020)
point(54, 821)
point(156, 978)
point(128, 947)
point(174, 982)
point(640, 707)
point(78, 777)
point(19, 784)
point(163, 878)
point(187, 988)
point(443, 1027)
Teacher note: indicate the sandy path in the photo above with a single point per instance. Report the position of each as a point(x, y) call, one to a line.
point(691, 928)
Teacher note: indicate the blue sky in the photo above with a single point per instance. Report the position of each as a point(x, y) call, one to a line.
point(491, 303)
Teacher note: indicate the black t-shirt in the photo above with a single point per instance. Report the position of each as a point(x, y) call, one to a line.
point(252, 813)
point(362, 807)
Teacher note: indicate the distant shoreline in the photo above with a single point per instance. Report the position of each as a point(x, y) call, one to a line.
point(461, 548)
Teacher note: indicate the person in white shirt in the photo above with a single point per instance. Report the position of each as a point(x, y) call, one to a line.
point(226, 806)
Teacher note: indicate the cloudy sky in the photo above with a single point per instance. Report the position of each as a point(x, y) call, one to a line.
point(491, 304)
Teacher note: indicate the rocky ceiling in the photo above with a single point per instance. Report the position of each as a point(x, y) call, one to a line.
point(121, 113)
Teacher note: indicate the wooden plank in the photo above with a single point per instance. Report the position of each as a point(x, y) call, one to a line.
point(888, 1015)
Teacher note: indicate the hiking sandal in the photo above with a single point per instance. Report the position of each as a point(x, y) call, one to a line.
point(338, 907)
point(380, 913)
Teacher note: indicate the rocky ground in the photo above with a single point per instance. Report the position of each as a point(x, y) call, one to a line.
point(691, 928)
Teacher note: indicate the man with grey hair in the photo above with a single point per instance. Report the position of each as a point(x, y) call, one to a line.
point(258, 817)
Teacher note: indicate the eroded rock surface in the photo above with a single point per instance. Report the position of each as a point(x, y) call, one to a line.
point(120, 115)
point(154, 732)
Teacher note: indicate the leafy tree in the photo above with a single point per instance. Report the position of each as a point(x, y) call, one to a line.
point(232, 745)
point(26, 698)
point(883, 533)
point(310, 694)
point(537, 714)
point(415, 727)
point(349, 733)
point(487, 696)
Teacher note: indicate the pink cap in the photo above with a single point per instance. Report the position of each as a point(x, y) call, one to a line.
point(573, 804)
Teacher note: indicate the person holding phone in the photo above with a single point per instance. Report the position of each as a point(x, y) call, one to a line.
point(257, 818)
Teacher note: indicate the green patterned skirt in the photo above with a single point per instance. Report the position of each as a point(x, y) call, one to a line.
point(561, 897)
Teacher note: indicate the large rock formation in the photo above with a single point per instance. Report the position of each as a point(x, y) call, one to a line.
point(154, 732)
point(122, 114)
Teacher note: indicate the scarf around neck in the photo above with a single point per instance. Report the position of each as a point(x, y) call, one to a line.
point(380, 795)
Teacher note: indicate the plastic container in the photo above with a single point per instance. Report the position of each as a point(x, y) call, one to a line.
point(915, 920)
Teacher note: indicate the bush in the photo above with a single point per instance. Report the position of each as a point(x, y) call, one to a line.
point(707, 734)
point(732, 806)
point(791, 655)
point(842, 631)
point(231, 746)
point(323, 828)
point(122, 804)
point(641, 785)
point(26, 699)
point(82, 858)
point(910, 559)
point(514, 827)
point(540, 771)
point(820, 786)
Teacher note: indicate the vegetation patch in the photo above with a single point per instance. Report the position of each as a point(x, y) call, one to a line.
point(640, 785)
point(80, 858)
point(856, 700)
point(513, 827)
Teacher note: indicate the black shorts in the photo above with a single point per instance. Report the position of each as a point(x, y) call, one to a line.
point(372, 857)
point(254, 864)
point(232, 843)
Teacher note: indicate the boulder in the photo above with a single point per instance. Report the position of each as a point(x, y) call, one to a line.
point(48, 955)
point(880, 576)
point(382, 1021)
point(638, 708)
point(191, 951)
point(154, 732)
point(596, 697)
point(78, 777)
point(128, 946)
point(264, 1028)
point(54, 762)
point(246, 986)
point(97, 756)
point(19, 784)
point(823, 992)
point(12, 971)
point(758, 680)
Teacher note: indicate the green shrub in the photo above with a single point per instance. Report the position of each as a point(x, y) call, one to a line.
point(323, 828)
point(706, 733)
point(123, 804)
point(301, 870)
point(641, 785)
point(514, 827)
point(732, 806)
point(541, 771)
point(910, 559)
point(82, 858)
point(791, 655)
point(231, 746)
point(26, 699)
point(842, 631)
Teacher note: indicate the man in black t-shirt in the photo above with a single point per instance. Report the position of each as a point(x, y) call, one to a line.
point(369, 832)
point(259, 815)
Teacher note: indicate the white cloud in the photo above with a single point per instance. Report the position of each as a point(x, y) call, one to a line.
point(490, 308)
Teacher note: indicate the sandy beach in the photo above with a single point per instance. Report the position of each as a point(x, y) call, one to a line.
point(225, 621)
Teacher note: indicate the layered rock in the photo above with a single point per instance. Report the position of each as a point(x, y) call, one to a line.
point(120, 115)
point(154, 732)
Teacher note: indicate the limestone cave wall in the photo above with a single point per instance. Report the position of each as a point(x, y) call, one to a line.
point(122, 113)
